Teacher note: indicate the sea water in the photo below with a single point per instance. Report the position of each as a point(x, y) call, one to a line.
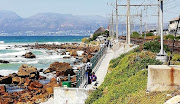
point(43, 59)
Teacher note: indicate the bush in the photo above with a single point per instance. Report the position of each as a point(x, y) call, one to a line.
point(178, 38)
point(85, 40)
point(169, 37)
point(154, 46)
point(135, 35)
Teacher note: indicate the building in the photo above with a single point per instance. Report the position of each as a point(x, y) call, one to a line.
point(100, 30)
point(173, 26)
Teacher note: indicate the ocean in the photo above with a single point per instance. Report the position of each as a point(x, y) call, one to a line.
point(43, 57)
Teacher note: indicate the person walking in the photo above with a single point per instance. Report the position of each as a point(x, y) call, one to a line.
point(88, 71)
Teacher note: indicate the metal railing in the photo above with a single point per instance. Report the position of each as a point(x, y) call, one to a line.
point(94, 60)
point(81, 77)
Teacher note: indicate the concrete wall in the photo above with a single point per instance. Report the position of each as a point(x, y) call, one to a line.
point(163, 77)
point(70, 95)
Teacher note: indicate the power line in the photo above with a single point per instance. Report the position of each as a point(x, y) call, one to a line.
point(172, 7)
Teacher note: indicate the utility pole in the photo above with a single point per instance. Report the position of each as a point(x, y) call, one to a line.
point(141, 23)
point(110, 32)
point(117, 20)
point(162, 56)
point(145, 25)
point(161, 19)
point(128, 24)
point(112, 25)
point(158, 31)
point(128, 29)
point(122, 29)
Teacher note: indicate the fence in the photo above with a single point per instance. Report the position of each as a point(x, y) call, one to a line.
point(81, 78)
point(94, 60)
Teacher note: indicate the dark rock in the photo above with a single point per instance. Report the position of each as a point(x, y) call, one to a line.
point(69, 71)
point(4, 62)
point(49, 70)
point(6, 80)
point(41, 77)
point(16, 80)
point(40, 70)
point(29, 55)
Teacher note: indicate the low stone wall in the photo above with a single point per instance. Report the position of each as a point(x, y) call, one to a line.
point(163, 77)
point(70, 95)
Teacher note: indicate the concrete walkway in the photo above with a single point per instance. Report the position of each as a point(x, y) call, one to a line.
point(103, 67)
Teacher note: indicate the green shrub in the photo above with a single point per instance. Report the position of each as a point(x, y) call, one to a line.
point(169, 37)
point(177, 38)
point(154, 46)
point(135, 35)
point(158, 37)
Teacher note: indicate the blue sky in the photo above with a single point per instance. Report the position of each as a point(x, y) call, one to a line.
point(26, 8)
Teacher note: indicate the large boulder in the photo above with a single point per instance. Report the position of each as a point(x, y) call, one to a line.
point(2, 89)
point(29, 55)
point(28, 71)
point(35, 85)
point(7, 79)
point(73, 53)
point(48, 70)
point(4, 62)
point(58, 66)
point(49, 87)
point(27, 82)
point(16, 80)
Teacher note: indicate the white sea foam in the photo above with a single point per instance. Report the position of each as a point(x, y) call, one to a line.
point(56, 43)
point(80, 53)
point(5, 72)
point(14, 53)
point(1, 42)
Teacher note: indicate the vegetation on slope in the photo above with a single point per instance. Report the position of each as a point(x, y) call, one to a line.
point(127, 78)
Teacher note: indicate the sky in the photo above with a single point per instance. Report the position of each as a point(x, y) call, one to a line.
point(26, 8)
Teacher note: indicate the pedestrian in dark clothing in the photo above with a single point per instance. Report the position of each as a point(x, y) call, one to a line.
point(88, 71)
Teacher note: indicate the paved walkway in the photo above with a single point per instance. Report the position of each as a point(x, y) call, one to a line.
point(103, 67)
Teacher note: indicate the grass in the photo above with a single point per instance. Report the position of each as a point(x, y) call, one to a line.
point(126, 81)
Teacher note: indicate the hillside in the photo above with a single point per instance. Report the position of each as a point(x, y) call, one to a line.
point(126, 81)
point(11, 22)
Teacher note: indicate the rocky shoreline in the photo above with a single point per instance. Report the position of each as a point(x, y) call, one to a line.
point(28, 77)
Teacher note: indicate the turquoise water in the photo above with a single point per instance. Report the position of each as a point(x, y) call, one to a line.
point(40, 39)
point(43, 59)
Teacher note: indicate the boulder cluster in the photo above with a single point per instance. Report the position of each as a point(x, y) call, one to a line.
point(28, 77)
point(72, 48)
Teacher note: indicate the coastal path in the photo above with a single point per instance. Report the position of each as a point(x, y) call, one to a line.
point(102, 66)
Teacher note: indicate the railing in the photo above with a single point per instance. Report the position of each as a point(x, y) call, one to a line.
point(81, 77)
point(94, 60)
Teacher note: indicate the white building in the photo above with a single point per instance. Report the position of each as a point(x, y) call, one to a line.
point(173, 26)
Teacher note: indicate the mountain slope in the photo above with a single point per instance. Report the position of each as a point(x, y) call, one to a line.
point(11, 22)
